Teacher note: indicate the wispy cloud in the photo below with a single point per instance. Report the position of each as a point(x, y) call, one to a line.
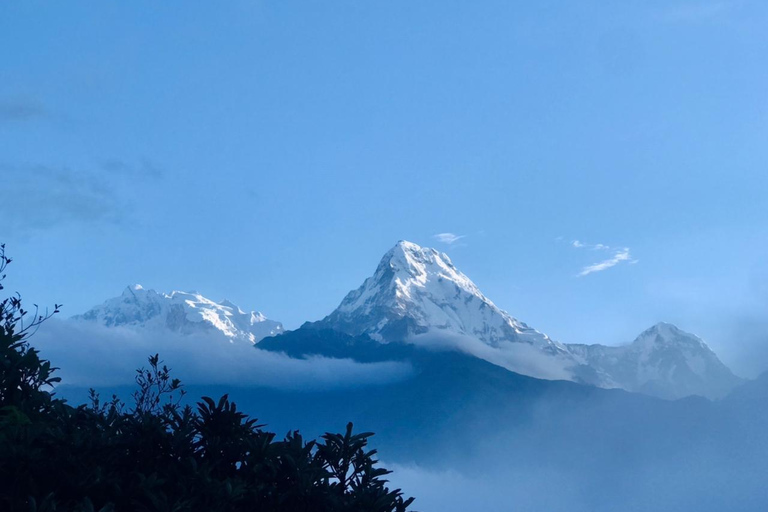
point(144, 169)
point(448, 238)
point(516, 357)
point(595, 247)
point(21, 109)
point(205, 359)
point(618, 257)
point(38, 197)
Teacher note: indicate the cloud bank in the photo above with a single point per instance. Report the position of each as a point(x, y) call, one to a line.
point(516, 357)
point(92, 355)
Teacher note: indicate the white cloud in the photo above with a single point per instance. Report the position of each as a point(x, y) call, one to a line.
point(578, 244)
point(92, 355)
point(618, 257)
point(516, 357)
point(448, 238)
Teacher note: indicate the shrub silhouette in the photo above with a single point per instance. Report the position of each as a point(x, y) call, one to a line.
point(159, 455)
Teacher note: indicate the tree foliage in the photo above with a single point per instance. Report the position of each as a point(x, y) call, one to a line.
point(160, 455)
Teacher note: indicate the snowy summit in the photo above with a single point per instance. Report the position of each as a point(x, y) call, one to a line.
point(663, 361)
point(418, 296)
point(181, 312)
point(416, 290)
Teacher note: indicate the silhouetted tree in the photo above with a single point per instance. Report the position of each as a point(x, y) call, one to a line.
point(159, 455)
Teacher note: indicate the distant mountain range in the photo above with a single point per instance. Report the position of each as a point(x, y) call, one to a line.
point(489, 406)
point(419, 298)
point(183, 313)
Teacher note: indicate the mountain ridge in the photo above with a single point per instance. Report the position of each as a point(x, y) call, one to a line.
point(181, 312)
point(417, 296)
point(416, 292)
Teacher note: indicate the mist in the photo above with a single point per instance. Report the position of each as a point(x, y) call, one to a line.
point(516, 357)
point(462, 434)
point(91, 355)
point(529, 489)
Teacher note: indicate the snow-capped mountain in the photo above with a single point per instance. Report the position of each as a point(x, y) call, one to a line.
point(181, 312)
point(416, 290)
point(663, 361)
point(416, 294)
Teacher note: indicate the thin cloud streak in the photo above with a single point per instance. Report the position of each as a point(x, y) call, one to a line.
point(595, 247)
point(622, 255)
point(20, 109)
point(448, 238)
point(41, 197)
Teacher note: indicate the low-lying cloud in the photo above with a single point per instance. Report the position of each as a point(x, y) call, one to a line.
point(516, 357)
point(621, 485)
point(448, 490)
point(92, 355)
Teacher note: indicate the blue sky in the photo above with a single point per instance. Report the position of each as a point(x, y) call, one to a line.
point(271, 152)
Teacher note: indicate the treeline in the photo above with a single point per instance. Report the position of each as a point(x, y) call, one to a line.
point(157, 455)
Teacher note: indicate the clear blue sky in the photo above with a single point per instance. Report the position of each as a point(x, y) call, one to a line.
point(271, 152)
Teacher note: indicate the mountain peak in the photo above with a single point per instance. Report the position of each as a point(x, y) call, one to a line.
point(409, 256)
point(666, 334)
point(131, 290)
point(181, 312)
point(405, 245)
point(417, 290)
point(409, 267)
point(406, 248)
point(664, 327)
point(663, 361)
point(231, 305)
